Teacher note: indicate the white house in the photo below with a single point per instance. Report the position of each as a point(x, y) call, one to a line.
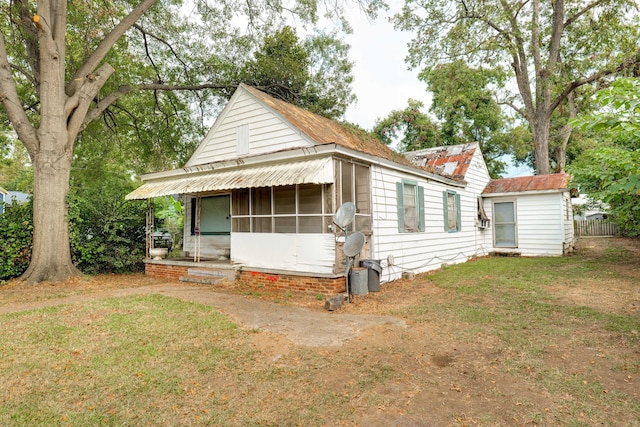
point(262, 189)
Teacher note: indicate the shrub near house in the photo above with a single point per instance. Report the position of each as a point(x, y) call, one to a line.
point(107, 234)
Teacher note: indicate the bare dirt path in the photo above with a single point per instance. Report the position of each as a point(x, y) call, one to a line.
point(301, 325)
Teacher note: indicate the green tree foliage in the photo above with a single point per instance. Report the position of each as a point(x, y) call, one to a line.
point(16, 230)
point(548, 49)
point(464, 100)
point(610, 172)
point(410, 129)
point(314, 74)
point(15, 167)
point(107, 232)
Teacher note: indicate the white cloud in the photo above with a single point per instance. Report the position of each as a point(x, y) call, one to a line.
point(382, 82)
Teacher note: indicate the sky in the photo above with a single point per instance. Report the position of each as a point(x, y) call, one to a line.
point(382, 80)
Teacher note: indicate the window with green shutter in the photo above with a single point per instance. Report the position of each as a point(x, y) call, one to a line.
point(452, 217)
point(410, 198)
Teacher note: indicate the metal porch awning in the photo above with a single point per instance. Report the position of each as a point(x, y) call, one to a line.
point(316, 171)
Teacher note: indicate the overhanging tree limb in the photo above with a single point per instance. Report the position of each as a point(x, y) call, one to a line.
point(12, 104)
point(84, 96)
point(105, 102)
point(106, 44)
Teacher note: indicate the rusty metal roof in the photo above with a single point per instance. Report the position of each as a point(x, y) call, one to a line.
point(556, 181)
point(322, 130)
point(316, 171)
point(451, 160)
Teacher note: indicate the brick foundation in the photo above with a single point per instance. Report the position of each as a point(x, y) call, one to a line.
point(285, 282)
point(270, 281)
point(165, 271)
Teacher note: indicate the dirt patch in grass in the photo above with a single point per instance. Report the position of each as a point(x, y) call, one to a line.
point(493, 342)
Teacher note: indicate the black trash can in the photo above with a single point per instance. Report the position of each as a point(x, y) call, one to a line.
point(375, 271)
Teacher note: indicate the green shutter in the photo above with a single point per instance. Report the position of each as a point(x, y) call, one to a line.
point(420, 208)
point(400, 204)
point(458, 214)
point(445, 205)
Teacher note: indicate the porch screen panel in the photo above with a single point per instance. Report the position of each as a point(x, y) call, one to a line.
point(353, 183)
point(261, 209)
point(240, 217)
point(310, 208)
point(363, 198)
point(284, 209)
point(504, 224)
point(303, 208)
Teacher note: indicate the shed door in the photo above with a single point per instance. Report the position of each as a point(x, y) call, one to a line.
point(504, 220)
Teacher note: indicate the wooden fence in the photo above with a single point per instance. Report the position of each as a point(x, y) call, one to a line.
point(594, 227)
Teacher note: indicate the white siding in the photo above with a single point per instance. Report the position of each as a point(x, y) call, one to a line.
point(541, 224)
point(428, 250)
point(268, 132)
point(302, 253)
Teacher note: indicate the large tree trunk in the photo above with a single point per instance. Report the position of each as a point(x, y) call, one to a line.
point(63, 113)
point(540, 132)
point(51, 253)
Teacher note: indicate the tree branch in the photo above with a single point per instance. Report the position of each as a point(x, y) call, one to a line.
point(31, 42)
point(594, 77)
point(106, 44)
point(104, 103)
point(12, 105)
point(587, 8)
point(85, 95)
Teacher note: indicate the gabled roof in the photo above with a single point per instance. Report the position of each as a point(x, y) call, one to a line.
point(540, 183)
point(323, 131)
point(450, 160)
point(3, 191)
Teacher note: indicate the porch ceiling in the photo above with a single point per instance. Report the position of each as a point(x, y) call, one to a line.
point(316, 171)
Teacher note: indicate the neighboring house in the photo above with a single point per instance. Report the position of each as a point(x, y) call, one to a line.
point(3, 196)
point(531, 215)
point(17, 197)
point(262, 189)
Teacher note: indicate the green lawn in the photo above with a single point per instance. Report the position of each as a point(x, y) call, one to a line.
point(493, 342)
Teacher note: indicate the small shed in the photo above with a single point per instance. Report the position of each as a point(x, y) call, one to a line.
point(530, 215)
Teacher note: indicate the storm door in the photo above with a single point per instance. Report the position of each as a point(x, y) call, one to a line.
point(504, 225)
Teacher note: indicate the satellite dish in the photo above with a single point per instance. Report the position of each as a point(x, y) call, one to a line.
point(353, 244)
point(345, 214)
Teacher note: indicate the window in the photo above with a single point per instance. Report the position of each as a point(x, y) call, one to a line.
point(410, 198)
point(304, 208)
point(214, 215)
point(504, 225)
point(452, 219)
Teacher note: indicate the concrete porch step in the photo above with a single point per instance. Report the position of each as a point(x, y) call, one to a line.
point(207, 280)
point(209, 276)
point(204, 272)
